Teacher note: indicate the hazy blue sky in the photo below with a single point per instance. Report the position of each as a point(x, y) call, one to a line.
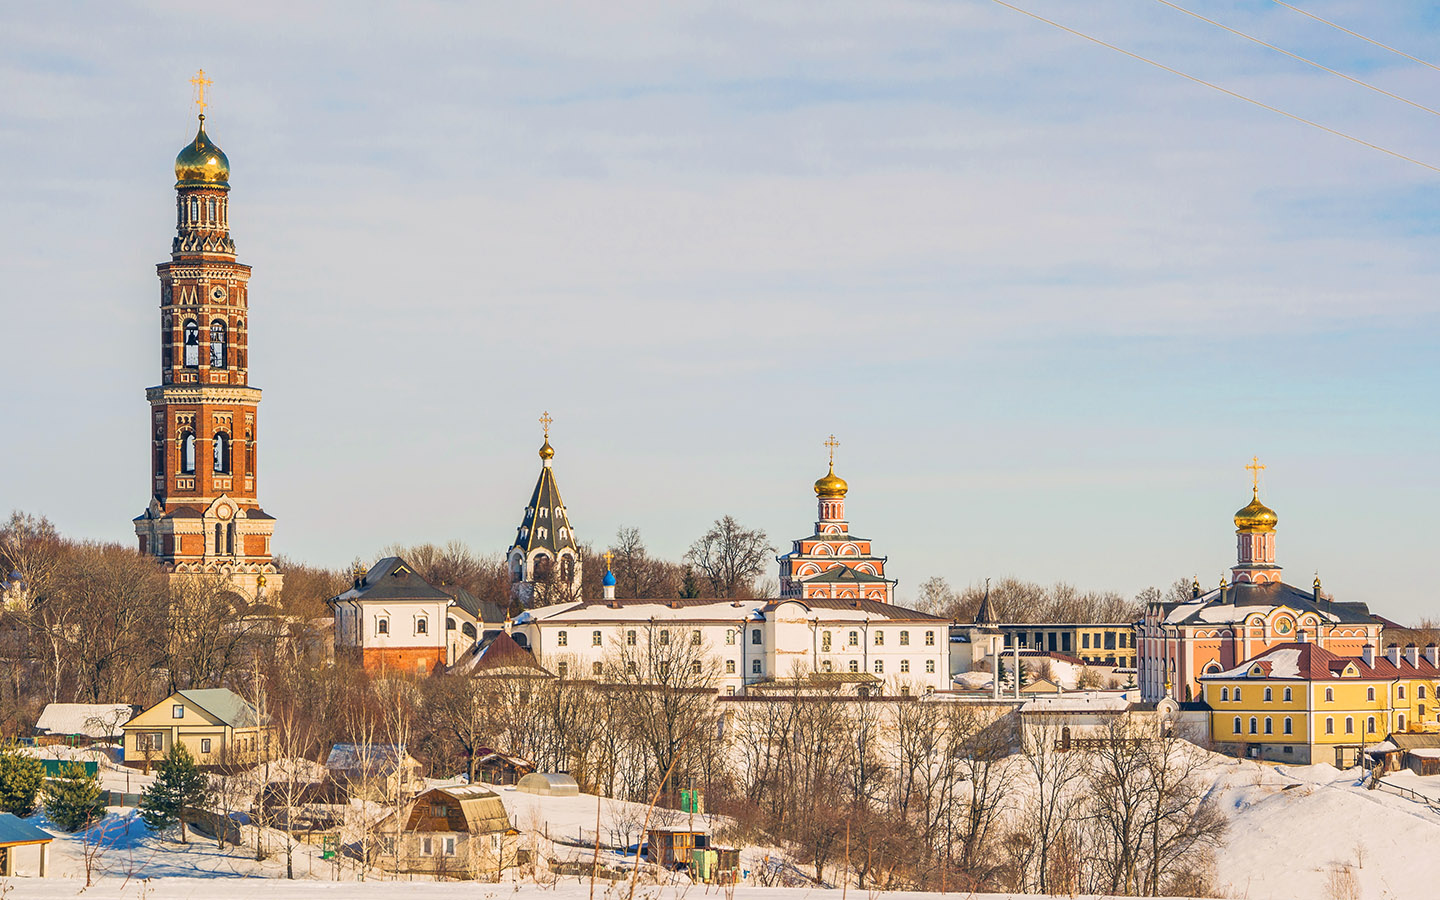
point(1049, 298)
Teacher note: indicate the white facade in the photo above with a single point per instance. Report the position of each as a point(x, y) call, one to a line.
point(747, 641)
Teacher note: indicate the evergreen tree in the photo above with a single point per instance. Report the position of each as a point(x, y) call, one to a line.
point(72, 799)
point(20, 780)
point(179, 787)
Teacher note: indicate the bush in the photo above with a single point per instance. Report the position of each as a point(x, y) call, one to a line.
point(72, 799)
point(20, 780)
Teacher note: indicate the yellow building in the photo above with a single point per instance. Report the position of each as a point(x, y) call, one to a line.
point(217, 726)
point(1300, 703)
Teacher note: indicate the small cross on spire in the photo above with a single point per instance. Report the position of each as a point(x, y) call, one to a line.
point(200, 83)
point(1255, 469)
point(831, 443)
point(607, 556)
point(545, 421)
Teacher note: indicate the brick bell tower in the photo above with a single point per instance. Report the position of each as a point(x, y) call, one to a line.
point(204, 518)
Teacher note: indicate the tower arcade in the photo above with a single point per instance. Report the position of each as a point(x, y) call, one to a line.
point(204, 518)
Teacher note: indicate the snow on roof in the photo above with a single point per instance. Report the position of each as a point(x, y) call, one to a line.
point(1382, 747)
point(96, 720)
point(1426, 752)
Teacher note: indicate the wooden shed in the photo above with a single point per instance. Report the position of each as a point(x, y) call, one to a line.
point(494, 767)
point(16, 835)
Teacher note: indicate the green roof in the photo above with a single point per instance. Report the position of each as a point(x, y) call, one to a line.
point(225, 705)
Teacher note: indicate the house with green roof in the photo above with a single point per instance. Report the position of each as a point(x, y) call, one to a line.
point(217, 726)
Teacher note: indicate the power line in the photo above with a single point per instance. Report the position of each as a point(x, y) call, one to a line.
point(1358, 35)
point(1296, 56)
point(1159, 65)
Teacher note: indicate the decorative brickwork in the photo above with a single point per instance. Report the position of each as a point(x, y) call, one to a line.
point(204, 517)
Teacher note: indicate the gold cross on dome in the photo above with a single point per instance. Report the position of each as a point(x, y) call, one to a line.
point(832, 444)
point(607, 556)
point(1255, 469)
point(545, 421)
point(200, 82)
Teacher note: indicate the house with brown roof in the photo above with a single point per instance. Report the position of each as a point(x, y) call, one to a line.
point(1302, 703)
point(451, 832)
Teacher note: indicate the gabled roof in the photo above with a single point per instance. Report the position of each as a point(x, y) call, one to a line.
point(15, 830)
point(1244, 598)
point(496, 652)
point(96, 720)
point(225, 705)
point(844, 574)
point(539, 531)
point(1311, 662)
point(484, 611)
point(392, 580)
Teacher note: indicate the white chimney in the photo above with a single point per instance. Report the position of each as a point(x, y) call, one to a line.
point(1392, 653)
point(1368, 654)
point(1412, 655)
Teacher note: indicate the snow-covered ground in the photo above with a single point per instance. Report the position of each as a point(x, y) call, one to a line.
point(1293, 829)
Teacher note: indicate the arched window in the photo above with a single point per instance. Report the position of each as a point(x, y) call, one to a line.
point(1329, 695)
point(1237, 724)
point(422, 625)
point(1370, 725)
point(595, 640)
point(1224, 693)
point(191, 332)
point(826, 666)
point(222, 453)
point(562, 668)
point(695, 638)
point(904, 638)
point(1349, 725)
point(1287, 695)
point(219, 538)
point(187, 453)
point(664, 637)
point(210, 210)
point(1269, 695)
point(730, 636)
point(879, 638)
point(544, 566)
point(567, 566)
point(1370, 694)
point(1399, 723)
point(1269, 726)
point(249, 453)
point(854, 665)
point(904, 665)
point(194, 209)
point(382, 626)
point(597, 668)
point(879, 667)
point(854, 639)
point(217, 344)
point(755, 636)
point(1329, 725)
point(1289, 726)
point(695, 666)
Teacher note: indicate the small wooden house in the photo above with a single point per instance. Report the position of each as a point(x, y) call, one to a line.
point(453, 832)
point(375, 771)
point(494, 767)
point(671, 847)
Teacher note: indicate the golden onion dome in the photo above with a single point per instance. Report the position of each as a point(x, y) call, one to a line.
point(1255, 517)
point(832, 486)
point(202, 163)
point(547, 451)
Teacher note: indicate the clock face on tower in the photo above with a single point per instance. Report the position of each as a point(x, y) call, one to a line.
point(217, 293)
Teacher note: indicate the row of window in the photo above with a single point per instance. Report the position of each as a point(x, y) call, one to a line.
point(1329, 694)
point(1329, 725)
point(422, 625)
point(562, 668)
point(756, 637)
point(207, 213)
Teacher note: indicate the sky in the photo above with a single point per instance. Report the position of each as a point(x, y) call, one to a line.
point(1050, 299)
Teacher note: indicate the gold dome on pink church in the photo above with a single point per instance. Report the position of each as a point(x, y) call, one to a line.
point(1255, 517)
point(832, 486)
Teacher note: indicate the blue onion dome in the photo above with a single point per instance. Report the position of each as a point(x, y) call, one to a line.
point(609, 579)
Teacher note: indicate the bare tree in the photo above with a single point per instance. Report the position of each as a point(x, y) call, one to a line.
point(1059, 775)
point(730, 556)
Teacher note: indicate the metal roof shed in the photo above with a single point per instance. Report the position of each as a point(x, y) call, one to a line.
point(549, 784)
